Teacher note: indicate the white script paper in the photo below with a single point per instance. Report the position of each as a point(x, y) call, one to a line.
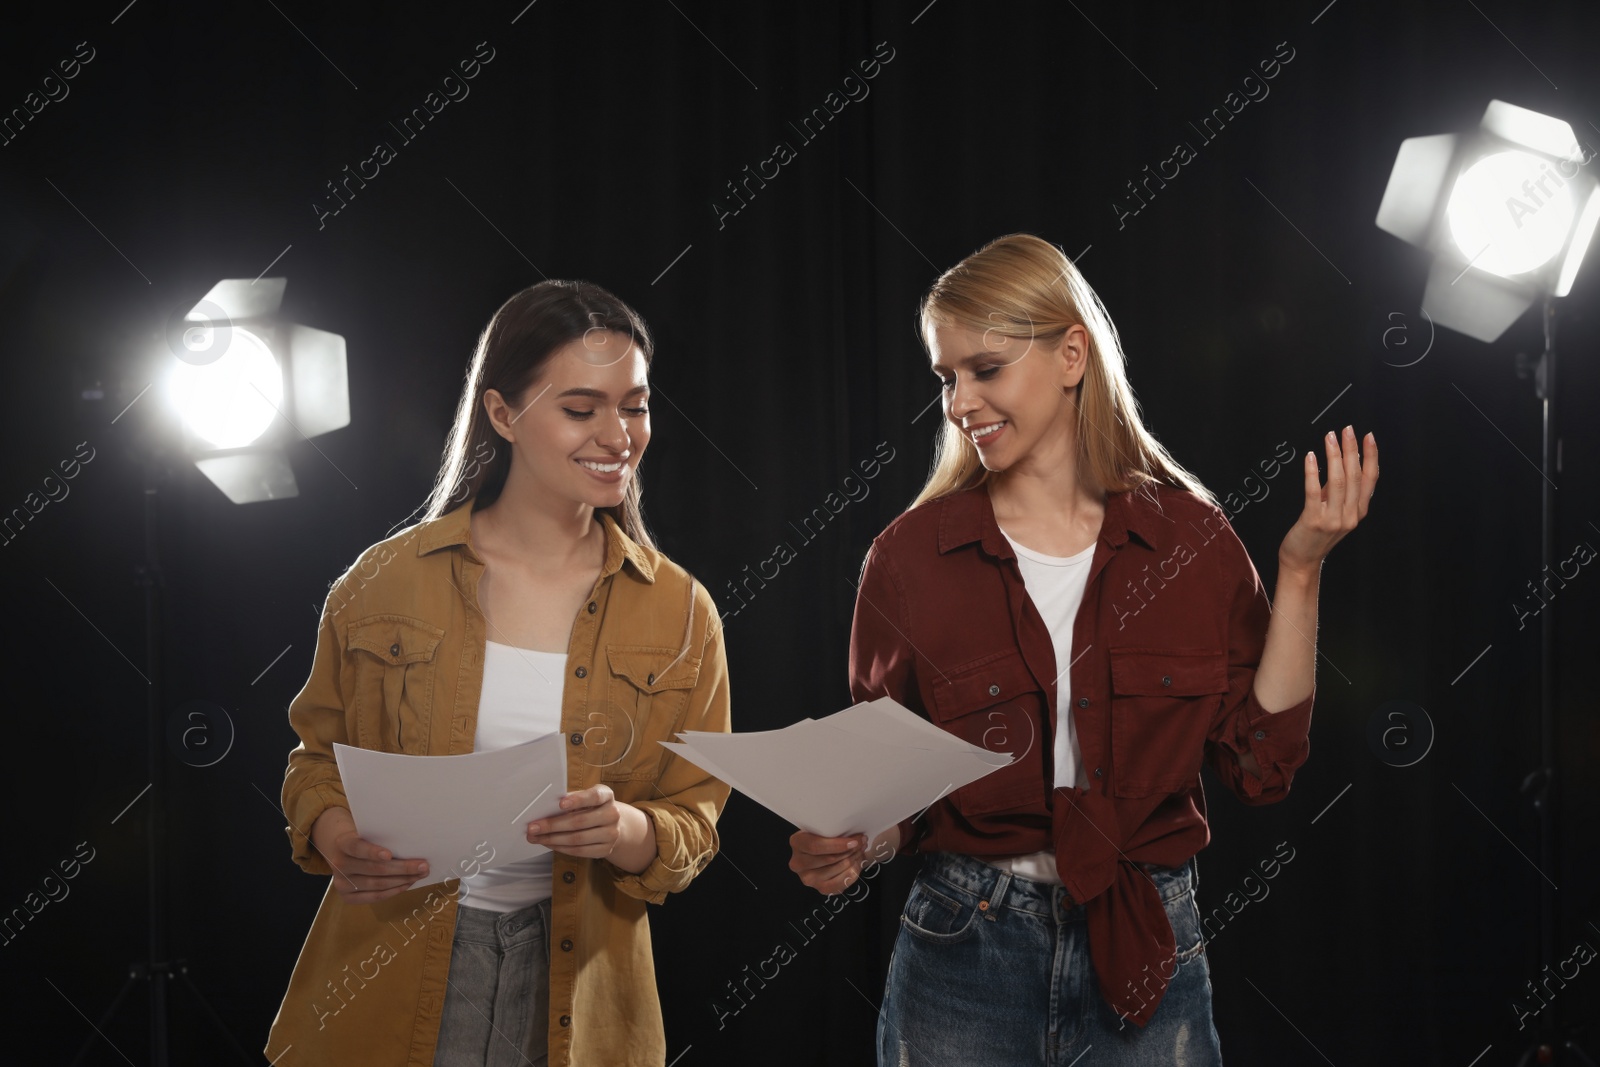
point(860, 770)
point(463, 814)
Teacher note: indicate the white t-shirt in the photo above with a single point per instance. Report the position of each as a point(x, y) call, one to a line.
point(521, 700)
point(1055, 584)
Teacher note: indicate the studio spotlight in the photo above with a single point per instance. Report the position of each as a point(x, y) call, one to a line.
point(1507, 211)
point(243, 382)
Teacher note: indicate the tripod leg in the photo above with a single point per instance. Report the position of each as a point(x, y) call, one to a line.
point(134, 974)
point(188, 983)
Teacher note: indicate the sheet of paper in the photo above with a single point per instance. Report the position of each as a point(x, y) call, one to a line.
point(885, 720)
point(462, 814)
point(860, 770)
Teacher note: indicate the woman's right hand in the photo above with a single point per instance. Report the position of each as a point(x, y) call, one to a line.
point(832, 864)
point(363, 873)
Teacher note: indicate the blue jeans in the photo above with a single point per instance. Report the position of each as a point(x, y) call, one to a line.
point(1012, 984)
point(497, 1006)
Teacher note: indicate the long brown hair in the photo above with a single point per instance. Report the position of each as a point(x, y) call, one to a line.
point(513, 348)
point(1022, 286)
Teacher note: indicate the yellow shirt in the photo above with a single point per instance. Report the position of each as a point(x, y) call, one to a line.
point(399, 668)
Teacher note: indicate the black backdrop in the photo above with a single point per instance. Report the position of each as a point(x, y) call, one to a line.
point(1252, 291)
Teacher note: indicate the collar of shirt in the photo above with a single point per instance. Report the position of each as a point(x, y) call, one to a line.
point(455, 526)
point(969, 516)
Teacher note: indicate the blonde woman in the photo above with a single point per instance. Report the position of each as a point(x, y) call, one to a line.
point(529, 600)
point(1062, 589)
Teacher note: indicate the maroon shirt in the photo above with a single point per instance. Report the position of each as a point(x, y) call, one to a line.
point(1165, 648)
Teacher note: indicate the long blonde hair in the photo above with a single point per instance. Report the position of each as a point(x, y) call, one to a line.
point(1022, 286)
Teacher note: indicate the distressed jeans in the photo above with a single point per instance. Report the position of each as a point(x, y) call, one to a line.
point(497, 1006)
point(1012, 985)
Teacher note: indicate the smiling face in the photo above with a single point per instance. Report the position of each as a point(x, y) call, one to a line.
point(579, 429)
point(1013, 398)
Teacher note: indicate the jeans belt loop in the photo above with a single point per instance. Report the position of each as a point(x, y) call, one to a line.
point(997, 898)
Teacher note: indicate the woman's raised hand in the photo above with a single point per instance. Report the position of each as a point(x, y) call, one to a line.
point(363, 873)
point(1331, 510)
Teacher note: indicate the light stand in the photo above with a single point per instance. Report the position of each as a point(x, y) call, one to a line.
point(156, 968)
point(1508, 213)
point(1541, 784)
point(227, 347)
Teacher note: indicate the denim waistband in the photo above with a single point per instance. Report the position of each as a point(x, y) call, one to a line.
point(1002, 889)
point(503, 928)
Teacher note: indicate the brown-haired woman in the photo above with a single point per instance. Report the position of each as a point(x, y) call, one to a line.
point(528, 600)
point(1062, 589)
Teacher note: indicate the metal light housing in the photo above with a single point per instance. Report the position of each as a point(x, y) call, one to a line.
point(1508, 212)
point(244, 382)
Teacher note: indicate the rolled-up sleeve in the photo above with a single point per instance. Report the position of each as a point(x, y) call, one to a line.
point(882, 659)
point(311, 785)
point(1280, 741)
point(687, 800)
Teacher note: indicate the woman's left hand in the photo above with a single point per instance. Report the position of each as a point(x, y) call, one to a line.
point(1331, 510)
point(590, 824)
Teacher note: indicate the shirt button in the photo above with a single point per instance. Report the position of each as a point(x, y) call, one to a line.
point(1098, 773)
point(1166, 679)
point(566, 1020)
point(1261, 735)
point(568, 877)
point(994, 690)
point(1083, 702)
point(394, 649)
point(582, 672)
point(650, 679)
point(566, 945)
point(576, 739)
point(591, 607)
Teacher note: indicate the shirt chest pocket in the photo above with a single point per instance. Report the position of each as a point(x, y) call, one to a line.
point(996, 705)
point(394, 661)
point(1162, 705)
point(647, 690)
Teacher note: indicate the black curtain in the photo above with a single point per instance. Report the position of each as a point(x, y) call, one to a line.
point(775, 213)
